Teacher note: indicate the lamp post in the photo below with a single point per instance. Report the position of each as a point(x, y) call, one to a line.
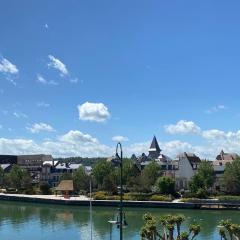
point(119, 147)
point(121, 219)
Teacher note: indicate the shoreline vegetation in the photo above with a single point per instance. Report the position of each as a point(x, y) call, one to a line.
point(82, 200)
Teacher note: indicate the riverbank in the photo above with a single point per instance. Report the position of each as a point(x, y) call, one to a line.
point(84, 201)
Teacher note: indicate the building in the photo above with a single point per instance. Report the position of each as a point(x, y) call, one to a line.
point(8, 159)
point(187, 167)
point(219, 167)
point(154, 150)
point(52, 171)
point(33, 164)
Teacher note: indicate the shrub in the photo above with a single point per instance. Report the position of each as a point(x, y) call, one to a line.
point(101, 195)
point(229, 198)
point(202, 193)
point(44, 188)
point(165, 185)
point(160, 198)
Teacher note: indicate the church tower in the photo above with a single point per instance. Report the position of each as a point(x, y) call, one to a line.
point(154, 150)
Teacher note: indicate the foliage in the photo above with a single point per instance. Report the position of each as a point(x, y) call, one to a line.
point(66, 176)
point(101, 195)
point(169, 224)
point(203, 179)
point(81, 180)
point(151, 172)
point(44, 188)
point(100, 170)
point(165, 185)
point(149, 230)
point(18, 178)
point(109, 184)
point(1, 177)
point(229, 230)
point(229, 198)
point(160, 198)
point(232, 177)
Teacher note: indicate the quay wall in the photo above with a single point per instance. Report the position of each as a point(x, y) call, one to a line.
point(110, 203)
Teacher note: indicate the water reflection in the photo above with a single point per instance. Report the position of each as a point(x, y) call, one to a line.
point(24, 220)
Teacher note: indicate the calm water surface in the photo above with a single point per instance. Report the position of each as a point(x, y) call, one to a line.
point(49, 222)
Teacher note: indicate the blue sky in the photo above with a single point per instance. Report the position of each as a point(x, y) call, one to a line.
point(133, 68)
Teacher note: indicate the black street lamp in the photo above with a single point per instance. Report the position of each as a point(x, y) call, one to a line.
point(121, 220)
point(120, 158)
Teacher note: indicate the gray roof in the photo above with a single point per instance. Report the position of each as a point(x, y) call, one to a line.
point(72, 166)
point(154, 145)
point(5, 166)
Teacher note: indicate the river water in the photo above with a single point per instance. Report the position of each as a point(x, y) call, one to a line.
point(23, 221)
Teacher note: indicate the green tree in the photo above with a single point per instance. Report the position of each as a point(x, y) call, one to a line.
point(229, 230)
point(109, 184)
point(81, 180)
point(16, 176)
point(204, 178)
point(165, 185)
point(100, 170)
point(66, 176)
point(1, 177)
point(151, 172)
point(232, 177)
point(168, 225)
point(44, 188)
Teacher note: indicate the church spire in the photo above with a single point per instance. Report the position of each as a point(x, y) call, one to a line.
point(154, 150)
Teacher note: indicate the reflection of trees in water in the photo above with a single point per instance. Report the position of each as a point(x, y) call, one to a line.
point(58, 216)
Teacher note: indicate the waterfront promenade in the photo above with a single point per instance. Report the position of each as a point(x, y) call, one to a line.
point(85, 201)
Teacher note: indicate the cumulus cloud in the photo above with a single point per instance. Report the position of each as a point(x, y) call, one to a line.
point(58, 65)
point(95, 112)
point(120, 139)
point(39, 127)
point(213, 134)
point(183, 127)
point(7, 67)
point(44, 81)
point(77, 137)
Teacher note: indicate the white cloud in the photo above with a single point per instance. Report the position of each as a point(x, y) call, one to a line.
point(96, 112)
point(120, 139)
point(39, 127)
point(77, 137)
point(213, 134)
point(43, 104)
point(43, 81)
point(183, 127)
point(215, 109)
point(57, 64)
point(46, 26)
point(7, 67)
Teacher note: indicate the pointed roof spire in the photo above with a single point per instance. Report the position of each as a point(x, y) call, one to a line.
point(154, 145)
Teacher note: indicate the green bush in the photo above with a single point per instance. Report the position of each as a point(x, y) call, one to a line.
point(44, 188)
point(160, 198)
point(202, 193)
point(229, 198)
point(101, 195)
